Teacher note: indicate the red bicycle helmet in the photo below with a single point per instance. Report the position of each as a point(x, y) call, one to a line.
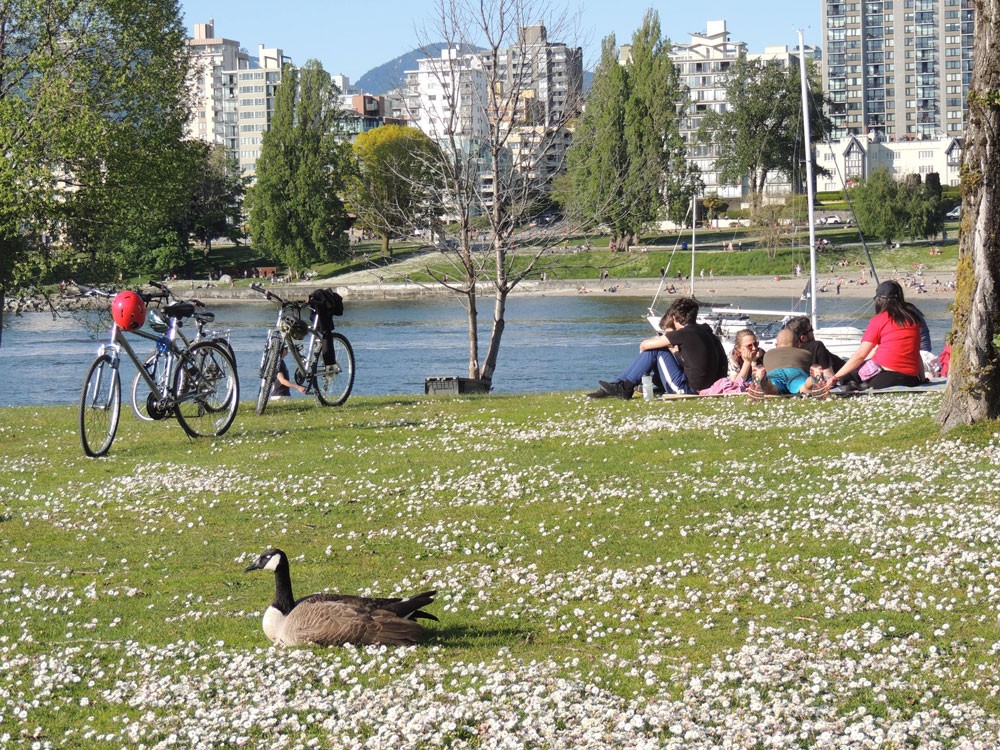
point(128, 311)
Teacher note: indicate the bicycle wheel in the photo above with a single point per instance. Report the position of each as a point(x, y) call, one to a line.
point(333, 383)
point(268, 372)
point(206, 390)
point(100, 407)
point(143, 406)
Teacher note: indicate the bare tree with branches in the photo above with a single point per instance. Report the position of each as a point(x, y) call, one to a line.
point(502, 128)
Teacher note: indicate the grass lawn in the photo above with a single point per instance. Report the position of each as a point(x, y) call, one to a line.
point(688, 574)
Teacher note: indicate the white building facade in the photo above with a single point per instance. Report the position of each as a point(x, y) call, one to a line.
point(850, 160)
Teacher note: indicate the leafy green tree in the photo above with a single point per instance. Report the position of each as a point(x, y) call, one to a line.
point(593, 185)
point(879, 207)
point(296, 212)
point(627, 158)
point(395, 181)
point(215, 208)
point(760, 133)
point(90, 91)
point(889, 209)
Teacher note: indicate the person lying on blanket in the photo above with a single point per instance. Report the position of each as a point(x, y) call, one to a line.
point(786, 370)
point(895, 331)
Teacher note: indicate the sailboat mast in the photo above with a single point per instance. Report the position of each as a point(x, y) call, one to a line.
point(694, 224)
point(810, 190)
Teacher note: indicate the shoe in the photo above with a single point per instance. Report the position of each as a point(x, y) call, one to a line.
point(622, 389)
point(600, 393)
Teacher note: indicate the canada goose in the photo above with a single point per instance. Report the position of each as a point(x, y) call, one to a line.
point(336, 619)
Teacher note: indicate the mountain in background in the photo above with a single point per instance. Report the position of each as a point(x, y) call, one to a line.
point(389, 76)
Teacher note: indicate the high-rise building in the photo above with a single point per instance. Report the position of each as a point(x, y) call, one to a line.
point(531, 95)
point(898, 69)
point(211, 56)
point(233, 94)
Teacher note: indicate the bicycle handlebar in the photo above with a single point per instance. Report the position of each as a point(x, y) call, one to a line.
point(272, 296)
point(170, 294)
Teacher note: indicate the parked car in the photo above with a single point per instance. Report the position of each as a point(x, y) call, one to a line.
point(955, 213)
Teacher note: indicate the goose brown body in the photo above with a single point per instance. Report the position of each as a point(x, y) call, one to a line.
point(335, 619)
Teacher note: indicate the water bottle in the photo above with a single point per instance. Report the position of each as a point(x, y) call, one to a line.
point(647, 387)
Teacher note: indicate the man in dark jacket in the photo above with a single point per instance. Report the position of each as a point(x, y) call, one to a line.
point(685, 357)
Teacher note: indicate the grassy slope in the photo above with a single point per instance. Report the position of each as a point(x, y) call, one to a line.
point(705, 566)
point(569, 261)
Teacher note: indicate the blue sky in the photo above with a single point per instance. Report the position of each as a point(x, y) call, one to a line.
point(352, 37)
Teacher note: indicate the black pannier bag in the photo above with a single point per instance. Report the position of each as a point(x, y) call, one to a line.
point(327, 303)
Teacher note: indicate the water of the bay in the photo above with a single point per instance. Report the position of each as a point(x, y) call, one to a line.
point(550, 343)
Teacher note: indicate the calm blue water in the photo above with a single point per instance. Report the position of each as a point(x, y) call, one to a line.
point(550, 344)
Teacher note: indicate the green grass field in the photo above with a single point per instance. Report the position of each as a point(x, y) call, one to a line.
point(689, 574)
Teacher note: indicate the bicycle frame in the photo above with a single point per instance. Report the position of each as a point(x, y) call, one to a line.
point(118, 343)
point(305, 363)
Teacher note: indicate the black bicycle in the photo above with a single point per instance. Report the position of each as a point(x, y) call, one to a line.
point(324, 359)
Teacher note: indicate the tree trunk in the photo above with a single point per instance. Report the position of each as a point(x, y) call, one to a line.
point(973, 392)
point(473, 326)
point(492, 353)
point(386, 250)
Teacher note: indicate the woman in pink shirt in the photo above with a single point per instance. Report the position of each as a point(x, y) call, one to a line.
point(894, 335)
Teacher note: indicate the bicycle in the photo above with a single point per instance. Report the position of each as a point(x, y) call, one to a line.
point(324, 363)
point(157, 364)
point(201, 391)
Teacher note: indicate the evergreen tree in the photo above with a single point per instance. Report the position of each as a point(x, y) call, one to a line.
point(593, 187)
point(296, 212)
point(627, 157)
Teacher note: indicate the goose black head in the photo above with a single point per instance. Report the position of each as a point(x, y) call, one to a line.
point(270, 560)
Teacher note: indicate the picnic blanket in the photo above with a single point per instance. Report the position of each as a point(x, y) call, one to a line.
point(935, 385)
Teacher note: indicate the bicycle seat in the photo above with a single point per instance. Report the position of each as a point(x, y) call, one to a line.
point(179, 310)
point(204, 317)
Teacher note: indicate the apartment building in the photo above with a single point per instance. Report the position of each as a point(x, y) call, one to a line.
point(537, 86)
point(851, 159)
point(211, 56)
point(898, 70)
point(703, 64)
point(233, 94)
point(446, 96)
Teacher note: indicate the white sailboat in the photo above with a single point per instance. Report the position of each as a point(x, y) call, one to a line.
point(840, 340)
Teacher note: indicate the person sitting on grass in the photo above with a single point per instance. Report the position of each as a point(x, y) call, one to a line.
point(283, 385)
point(686, 357)
point(746, 353)
point(889, 354)
point(786, 370)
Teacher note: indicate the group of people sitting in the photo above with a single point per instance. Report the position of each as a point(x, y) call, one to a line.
point(686, 357)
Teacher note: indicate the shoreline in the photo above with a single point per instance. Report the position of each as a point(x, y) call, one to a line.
point(719, 290)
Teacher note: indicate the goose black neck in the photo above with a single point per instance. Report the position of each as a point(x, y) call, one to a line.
point(283, 599)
